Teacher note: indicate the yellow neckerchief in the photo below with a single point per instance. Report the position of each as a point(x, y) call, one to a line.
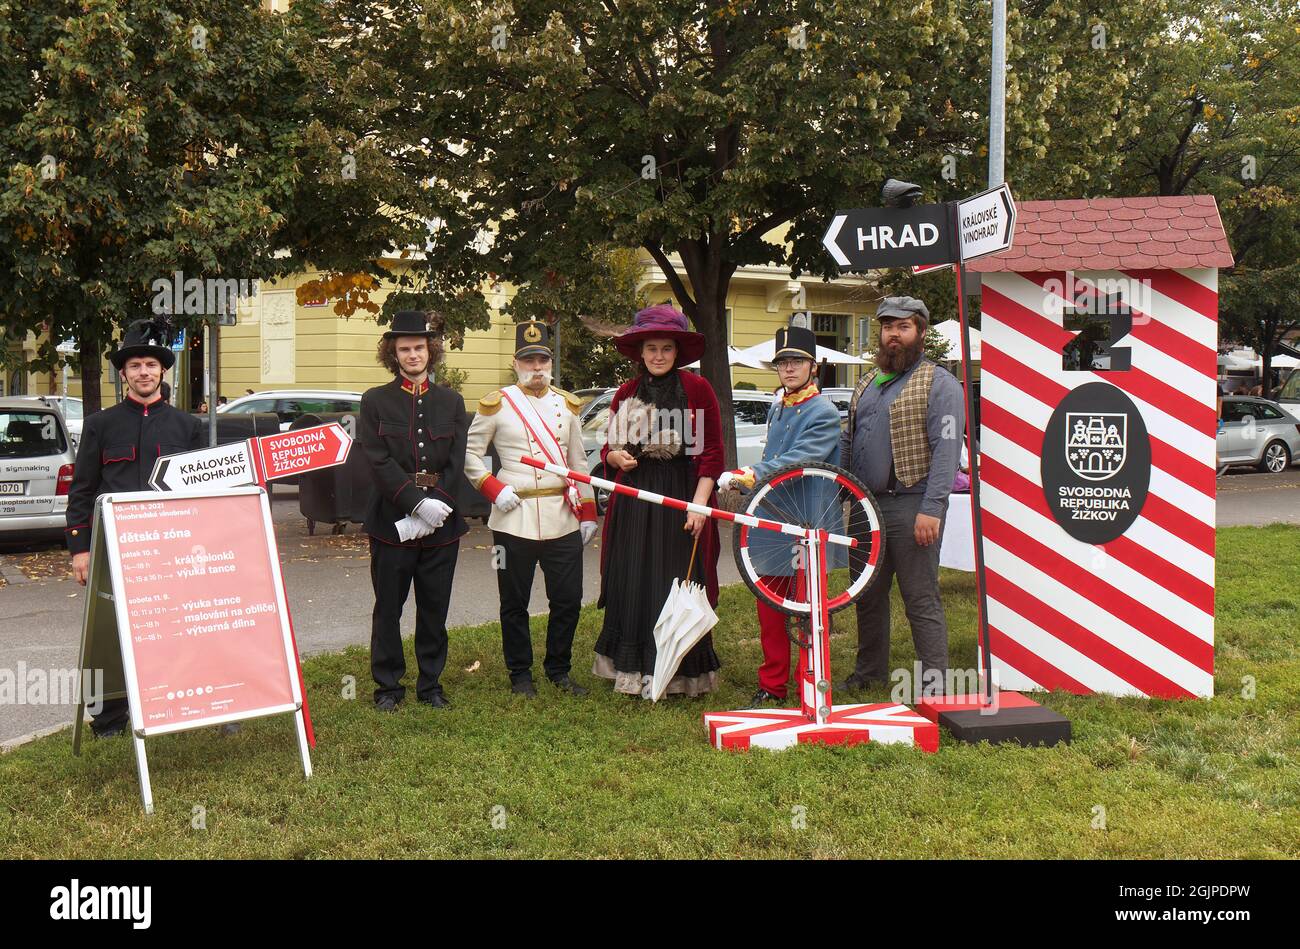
point(809, 390)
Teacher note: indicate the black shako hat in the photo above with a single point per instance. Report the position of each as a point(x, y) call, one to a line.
point(532, 338)
point(410, 323)
point(144, 338)
point(795, 341)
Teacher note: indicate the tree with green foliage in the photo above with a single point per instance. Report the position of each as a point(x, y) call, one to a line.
point(1222, 117)
point(137, 138)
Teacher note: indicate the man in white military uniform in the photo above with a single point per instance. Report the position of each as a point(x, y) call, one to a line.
point(537, 517)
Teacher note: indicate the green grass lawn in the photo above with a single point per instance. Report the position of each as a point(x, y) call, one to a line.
point(607, 776)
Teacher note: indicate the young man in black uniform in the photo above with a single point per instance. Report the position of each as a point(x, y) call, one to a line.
point(413, 433)
point(118, 449)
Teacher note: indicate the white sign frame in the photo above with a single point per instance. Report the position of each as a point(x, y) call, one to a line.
point(995, 197)
point(105, 532)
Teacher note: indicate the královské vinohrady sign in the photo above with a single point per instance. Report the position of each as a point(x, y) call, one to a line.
point(1096, 463)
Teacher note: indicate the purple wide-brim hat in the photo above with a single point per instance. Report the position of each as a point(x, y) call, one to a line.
point(661, 322)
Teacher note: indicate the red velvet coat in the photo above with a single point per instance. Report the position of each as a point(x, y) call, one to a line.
point(707, 464)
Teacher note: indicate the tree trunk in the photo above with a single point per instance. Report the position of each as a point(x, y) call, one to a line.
point(92, 371)
point(710, 319)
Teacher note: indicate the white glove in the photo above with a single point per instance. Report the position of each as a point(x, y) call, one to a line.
point(588, 530)
point(432, 511)
point(412, 528)
point(507, 500)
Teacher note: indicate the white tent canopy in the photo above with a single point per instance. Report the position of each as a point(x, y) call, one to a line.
point(1278, 362)
point(1238, 361)
point(951, 331)
point(762, 353)
point(735, 357)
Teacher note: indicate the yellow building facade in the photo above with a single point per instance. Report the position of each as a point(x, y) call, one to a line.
point(279, 343)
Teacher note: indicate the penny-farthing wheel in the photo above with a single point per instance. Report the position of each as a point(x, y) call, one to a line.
point(818, 496)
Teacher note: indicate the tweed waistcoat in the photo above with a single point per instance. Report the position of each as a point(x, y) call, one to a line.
point(908, 435)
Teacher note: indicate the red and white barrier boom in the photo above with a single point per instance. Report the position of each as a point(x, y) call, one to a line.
point(817, 720)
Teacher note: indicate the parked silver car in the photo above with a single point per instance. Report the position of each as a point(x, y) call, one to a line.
point(36, 458)
point(1254, 431)
point(70, 407)
point(289, 404)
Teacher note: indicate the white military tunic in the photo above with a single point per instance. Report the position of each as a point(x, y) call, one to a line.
point(543, 514)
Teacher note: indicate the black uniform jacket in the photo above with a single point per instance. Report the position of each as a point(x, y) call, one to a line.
point(119, 447)
point(407, 429)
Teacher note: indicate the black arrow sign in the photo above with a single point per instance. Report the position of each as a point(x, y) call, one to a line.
point(871, 238)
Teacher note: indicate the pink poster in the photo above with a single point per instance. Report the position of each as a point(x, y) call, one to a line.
point(204, 621)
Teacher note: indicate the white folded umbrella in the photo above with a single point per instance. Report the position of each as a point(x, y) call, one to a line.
point(684, 620)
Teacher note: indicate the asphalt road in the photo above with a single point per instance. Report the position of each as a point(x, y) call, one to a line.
point(1251, 498)
point(328, 585)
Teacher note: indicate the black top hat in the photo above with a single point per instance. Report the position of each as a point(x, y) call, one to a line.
point(795, 341)
point(144, 338)
point(532, 338)
point(410, 323)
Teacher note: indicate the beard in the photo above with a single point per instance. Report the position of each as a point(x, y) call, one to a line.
point(899, 358)
point(535, 379)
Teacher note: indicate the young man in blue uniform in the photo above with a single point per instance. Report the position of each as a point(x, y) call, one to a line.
point(802, 428)
point(118, 449)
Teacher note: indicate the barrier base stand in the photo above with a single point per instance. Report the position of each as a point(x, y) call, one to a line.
point(1017, 719)
point(778, 729)
point(930, 707)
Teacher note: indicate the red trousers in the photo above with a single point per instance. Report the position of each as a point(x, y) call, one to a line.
point(774, 673)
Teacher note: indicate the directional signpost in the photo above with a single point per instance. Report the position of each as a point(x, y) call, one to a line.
point(868, 238)
point(254, 461)
point(208, 469)
point(986, 223)
point(928, 237)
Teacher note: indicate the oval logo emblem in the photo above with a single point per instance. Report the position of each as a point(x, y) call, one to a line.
point(1096, 463)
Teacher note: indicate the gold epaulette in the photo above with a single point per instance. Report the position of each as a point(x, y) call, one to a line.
point(575, 403)
point(490, 403)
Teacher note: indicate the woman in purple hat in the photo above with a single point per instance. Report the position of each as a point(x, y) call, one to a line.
point(665, 435)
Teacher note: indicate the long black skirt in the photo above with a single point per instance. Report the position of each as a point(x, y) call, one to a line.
point(647, 547)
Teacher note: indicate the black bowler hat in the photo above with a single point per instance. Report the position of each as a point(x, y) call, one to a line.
point(410, 323)
point(532, 338)
point(144, 338)
point(797, 342)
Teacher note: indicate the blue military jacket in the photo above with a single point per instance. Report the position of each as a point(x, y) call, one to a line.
point(801, 429)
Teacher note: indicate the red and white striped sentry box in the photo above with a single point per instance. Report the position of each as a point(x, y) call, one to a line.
point(1098, 457)
point(780, 728)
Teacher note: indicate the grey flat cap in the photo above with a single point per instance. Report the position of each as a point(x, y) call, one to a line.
point(901, 308)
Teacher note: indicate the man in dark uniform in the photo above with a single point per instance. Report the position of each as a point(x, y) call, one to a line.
point(118, 449)
point(413, 433)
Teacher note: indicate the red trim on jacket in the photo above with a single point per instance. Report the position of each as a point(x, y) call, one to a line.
point(491, 487)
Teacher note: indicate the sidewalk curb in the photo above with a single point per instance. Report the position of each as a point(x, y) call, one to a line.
point(10, 744)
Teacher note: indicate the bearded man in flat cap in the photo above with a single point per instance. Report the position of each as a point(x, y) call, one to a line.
point(903, 440)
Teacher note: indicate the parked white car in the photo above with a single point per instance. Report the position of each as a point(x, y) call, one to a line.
point(70, 408)
point(290, 404)
point(36, 459)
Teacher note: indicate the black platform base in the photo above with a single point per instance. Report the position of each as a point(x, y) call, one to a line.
point(1022, 726)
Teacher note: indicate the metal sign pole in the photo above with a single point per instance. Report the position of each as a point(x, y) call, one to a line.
point(976, 519)
point(214, 333)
